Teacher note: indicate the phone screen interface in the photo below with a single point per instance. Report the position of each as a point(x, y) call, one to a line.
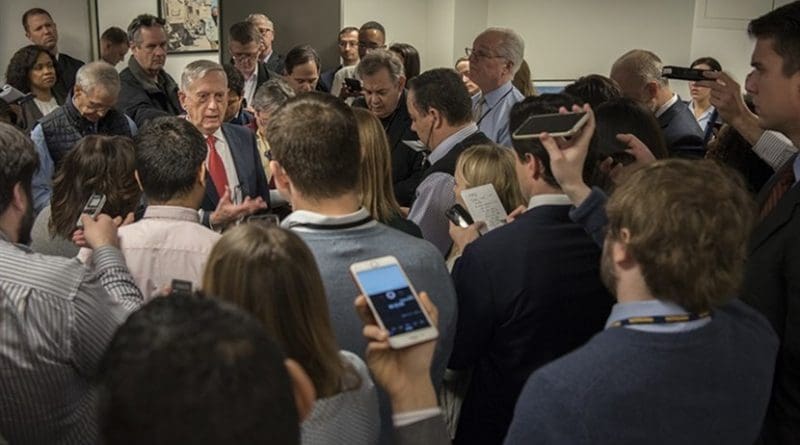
point(391, 297)
point(552, 123)
point(94, 201)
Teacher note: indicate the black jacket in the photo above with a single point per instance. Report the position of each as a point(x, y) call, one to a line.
point(66, 69)
point(682, 132)
point(142, 100)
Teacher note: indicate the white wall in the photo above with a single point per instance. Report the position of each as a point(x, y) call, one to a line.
point(72, 20)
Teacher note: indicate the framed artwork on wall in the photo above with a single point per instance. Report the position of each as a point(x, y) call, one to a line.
point(192, 25)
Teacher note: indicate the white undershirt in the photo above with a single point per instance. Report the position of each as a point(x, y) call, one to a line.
point(250, 87)
point(46, 107)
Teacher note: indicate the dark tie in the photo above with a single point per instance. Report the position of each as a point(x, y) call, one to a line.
point(216, 169)
point(785, 180)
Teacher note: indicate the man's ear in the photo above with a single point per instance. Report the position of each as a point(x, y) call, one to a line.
point(282, 181)
point(20, 199)
point(401, 80)
point(201, 175)
point(182, 98)
point(619, 250)
point(304, 392)
point(651, 89)
point(437, 116)
point(138, 180)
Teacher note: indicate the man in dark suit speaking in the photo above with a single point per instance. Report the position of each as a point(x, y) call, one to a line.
point(638, 73)
point(237, 186)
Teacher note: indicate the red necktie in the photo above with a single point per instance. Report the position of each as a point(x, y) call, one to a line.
point(784, 181)
point(216, 169)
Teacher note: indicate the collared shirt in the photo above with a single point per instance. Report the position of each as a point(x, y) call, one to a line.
point(435, 195)
point(663, 109)
point(42, 184)
point(705, 117)
point(222, 147)
point(549, 200)
point(266, 57)
point(308, 221)
point(775, 149)
point(167, 243)
point(57, 320)
point(250, 87)
point(653, 308)
point(494, 118)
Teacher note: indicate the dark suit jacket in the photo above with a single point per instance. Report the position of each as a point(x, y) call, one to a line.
point(528, 293)
point(252, 179)
point(326, 79)
point(682, 132)
point(143, 100)
point(772, 286)
point(406, 162)
point(275, 63)
point(66, 69)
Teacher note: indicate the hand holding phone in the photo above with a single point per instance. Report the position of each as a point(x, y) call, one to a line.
point(555, 124)
point(92, 208)
point(459, 216)
point(353, 84)
point(181, 287)
point(393, 301)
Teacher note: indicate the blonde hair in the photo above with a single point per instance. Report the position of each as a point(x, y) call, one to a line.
point(271, 273)
point(377, 193)
point(523, 81)
point(491, 164)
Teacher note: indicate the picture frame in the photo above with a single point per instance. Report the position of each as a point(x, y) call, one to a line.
point(192, 25)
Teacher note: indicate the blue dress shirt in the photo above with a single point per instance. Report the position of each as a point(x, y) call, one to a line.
point(493, 119)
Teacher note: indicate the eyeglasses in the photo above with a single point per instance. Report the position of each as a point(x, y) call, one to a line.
point(475, 54)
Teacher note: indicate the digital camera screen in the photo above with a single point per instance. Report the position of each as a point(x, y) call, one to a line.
point(391, 297)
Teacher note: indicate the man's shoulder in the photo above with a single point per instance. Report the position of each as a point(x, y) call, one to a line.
point(47, 273)
point(70, 60)
point(243, 134)
point(680, 120)
point(375, 240)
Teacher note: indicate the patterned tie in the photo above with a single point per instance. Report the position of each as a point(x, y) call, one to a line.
point(785, 180)
point(477, 113)
point(216, 169)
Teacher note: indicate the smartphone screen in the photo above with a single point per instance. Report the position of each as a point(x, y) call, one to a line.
point(391, 296)
point(551, 123)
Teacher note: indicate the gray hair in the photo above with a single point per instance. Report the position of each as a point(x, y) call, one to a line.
point(197, 70)
point(642, 64)
point(512, 46)
point(255, 16)
point(97, 73)
point(377, 59)
point(272, 95)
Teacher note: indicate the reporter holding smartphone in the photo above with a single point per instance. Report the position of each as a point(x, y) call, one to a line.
point(58, 316)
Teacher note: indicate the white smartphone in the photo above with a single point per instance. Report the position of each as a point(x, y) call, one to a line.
point(393, 301)
point(557, 124)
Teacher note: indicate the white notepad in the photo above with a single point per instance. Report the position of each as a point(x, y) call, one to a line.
point(484, 205)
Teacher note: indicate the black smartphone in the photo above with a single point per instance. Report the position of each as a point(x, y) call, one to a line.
point(181, 287)
point(92, 208)
point(352, 84)
point(556, 124)
point(682, 73)
point(459, 216)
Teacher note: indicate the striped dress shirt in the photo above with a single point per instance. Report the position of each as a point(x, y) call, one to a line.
point(56, 320)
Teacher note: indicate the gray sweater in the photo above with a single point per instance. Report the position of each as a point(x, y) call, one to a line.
point(45, 243)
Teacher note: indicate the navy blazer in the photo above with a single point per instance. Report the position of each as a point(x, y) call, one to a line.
point(682, 132)
point(528, 293)
point(252, 179)
point(772, 286)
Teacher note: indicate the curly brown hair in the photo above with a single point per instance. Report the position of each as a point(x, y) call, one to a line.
point(21, 64)
point(101, 164)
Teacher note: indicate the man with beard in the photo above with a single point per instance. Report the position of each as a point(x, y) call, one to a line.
point(677, 346)
point(58, 316)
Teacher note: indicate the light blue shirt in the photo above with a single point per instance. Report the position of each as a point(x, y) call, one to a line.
point(704, 118)
point(493, 120)
point(435, 195)
point(42, 185)
point(653, 308)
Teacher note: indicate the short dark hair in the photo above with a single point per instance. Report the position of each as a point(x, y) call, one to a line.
point(169, 153)
point(235, 79)
point(143, 21)
point(373, 25)
point(33, 11)
point(347, 30)
point(443, 90)
point(18, 162)
point(115, 35)
point(21, 64)
point(207, 372)
point(625, 115)
point(299, 55)
point(314, 136)
point(783, 26)
point(594, 89)
point(710, 61)
point(542, 104)
point(410, 58)
point(244, 33)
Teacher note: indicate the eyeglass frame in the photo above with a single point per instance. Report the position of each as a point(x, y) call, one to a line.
point(478, 54)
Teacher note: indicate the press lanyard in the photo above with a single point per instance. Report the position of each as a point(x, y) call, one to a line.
point(661, 319)
point(492, 107)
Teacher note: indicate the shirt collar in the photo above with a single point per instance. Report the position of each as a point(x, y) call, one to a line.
point(549, 200)
point(663, 109)
point(299, 217)
point(171, 212)
point(446, 145)
point(494, 96)
point(653, 308)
